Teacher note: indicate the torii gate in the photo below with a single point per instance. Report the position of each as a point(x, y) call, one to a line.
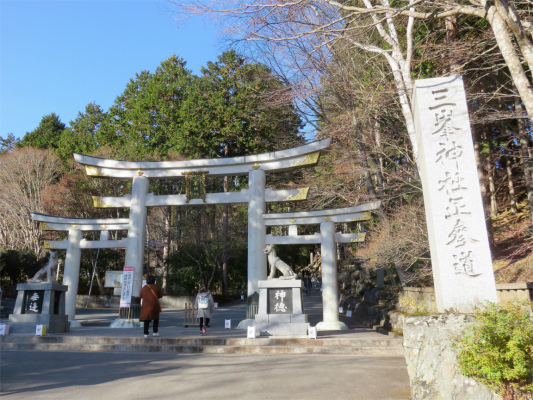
point(327, 238)
point(255, 166)
point(75, 243)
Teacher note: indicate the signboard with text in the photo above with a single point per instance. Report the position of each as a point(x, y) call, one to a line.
point(127, 286)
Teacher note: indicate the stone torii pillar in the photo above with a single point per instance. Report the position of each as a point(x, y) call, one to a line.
point(257, 264)
point(75, 243)
point(254, 166)
point(328, 239)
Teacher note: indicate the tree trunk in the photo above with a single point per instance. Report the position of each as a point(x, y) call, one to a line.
point(452, 37)
point(490, 168)
point(508, 12)
point(512, 60)
point(198, 224)
point(484, 196)
point(525, 158)
point(166, 248)
point(99, 281)
point(512, 197)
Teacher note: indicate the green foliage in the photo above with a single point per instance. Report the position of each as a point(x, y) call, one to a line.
point(80, 137)
point(236, 108)
point(46, 135)
point(498, 349)
point(148, 114)
point(194, 264)
point(17, 266)
point(8, 144)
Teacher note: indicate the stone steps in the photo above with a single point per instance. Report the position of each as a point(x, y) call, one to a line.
point(391, 347)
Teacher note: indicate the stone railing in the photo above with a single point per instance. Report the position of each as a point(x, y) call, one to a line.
point(414, 299)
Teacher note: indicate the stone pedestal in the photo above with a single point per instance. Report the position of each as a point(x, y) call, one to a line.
point(39, 304)
point(281, 311)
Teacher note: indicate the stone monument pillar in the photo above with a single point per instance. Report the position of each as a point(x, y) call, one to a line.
point(71, 274)
point(137, 231)
point(281, 309)
point(257, 262)
point(460, 253)
point(330, 290)
point(40, 303)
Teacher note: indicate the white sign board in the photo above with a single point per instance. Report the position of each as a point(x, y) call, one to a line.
point(4, 329)
point(40, 330)
point(227, 324)
point(312, 332)
point(349, 313)
point(460, 253)
point(252, 332)
point(127, 285)
point(113, 279)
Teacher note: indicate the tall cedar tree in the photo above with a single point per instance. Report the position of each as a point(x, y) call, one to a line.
point(46, 135)
point(145, 118)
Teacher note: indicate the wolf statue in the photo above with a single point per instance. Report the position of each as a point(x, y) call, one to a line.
point(278, 264)
point(48, 272)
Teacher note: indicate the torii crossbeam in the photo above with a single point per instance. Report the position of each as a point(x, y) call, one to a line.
point(255, 166)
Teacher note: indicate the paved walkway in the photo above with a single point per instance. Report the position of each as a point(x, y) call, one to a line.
point(95, 322)
point(61, 375)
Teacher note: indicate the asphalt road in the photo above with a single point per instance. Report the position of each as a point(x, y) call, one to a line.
point(102, 376)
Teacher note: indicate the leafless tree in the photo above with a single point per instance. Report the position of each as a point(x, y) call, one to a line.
point(25, 174)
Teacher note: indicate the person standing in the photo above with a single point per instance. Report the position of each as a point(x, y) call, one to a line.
point(150, 308)
point(204, 304)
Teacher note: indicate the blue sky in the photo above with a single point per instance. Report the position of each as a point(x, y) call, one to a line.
point(58, 56)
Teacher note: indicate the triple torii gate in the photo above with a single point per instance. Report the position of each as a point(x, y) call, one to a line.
point(327, 238)
point(255, 166)
point(75, 243)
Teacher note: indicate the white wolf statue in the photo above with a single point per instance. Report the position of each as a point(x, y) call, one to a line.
point(278, 264)
point(48, 272)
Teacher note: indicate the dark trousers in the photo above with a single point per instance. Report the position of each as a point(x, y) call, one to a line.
point(147, 326)
point(202, 322)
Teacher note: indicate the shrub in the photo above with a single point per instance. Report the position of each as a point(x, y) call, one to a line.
point(498, 349)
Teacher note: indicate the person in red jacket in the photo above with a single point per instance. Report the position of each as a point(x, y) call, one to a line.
point(150, 307)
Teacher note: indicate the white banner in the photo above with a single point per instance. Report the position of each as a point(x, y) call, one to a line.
point(127, 286)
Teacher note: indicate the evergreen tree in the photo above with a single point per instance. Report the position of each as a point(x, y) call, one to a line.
point(8, 144)
point(46, 135)
point(148, 114)
point(236, 108)
point(80, 137)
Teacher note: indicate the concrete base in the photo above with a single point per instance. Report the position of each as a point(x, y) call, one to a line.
point(289, 320)
point(74, 323)
point(245, 323)
point(331, 326)
point(283, 329)
point(126, 323)
point(25, 323)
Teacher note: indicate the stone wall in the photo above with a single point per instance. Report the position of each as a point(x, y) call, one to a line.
point(416, 299)
point(374, 314)
point(432, 362)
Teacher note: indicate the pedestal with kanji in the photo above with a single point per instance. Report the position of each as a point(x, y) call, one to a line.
point(281, 309)
point(40, 303)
